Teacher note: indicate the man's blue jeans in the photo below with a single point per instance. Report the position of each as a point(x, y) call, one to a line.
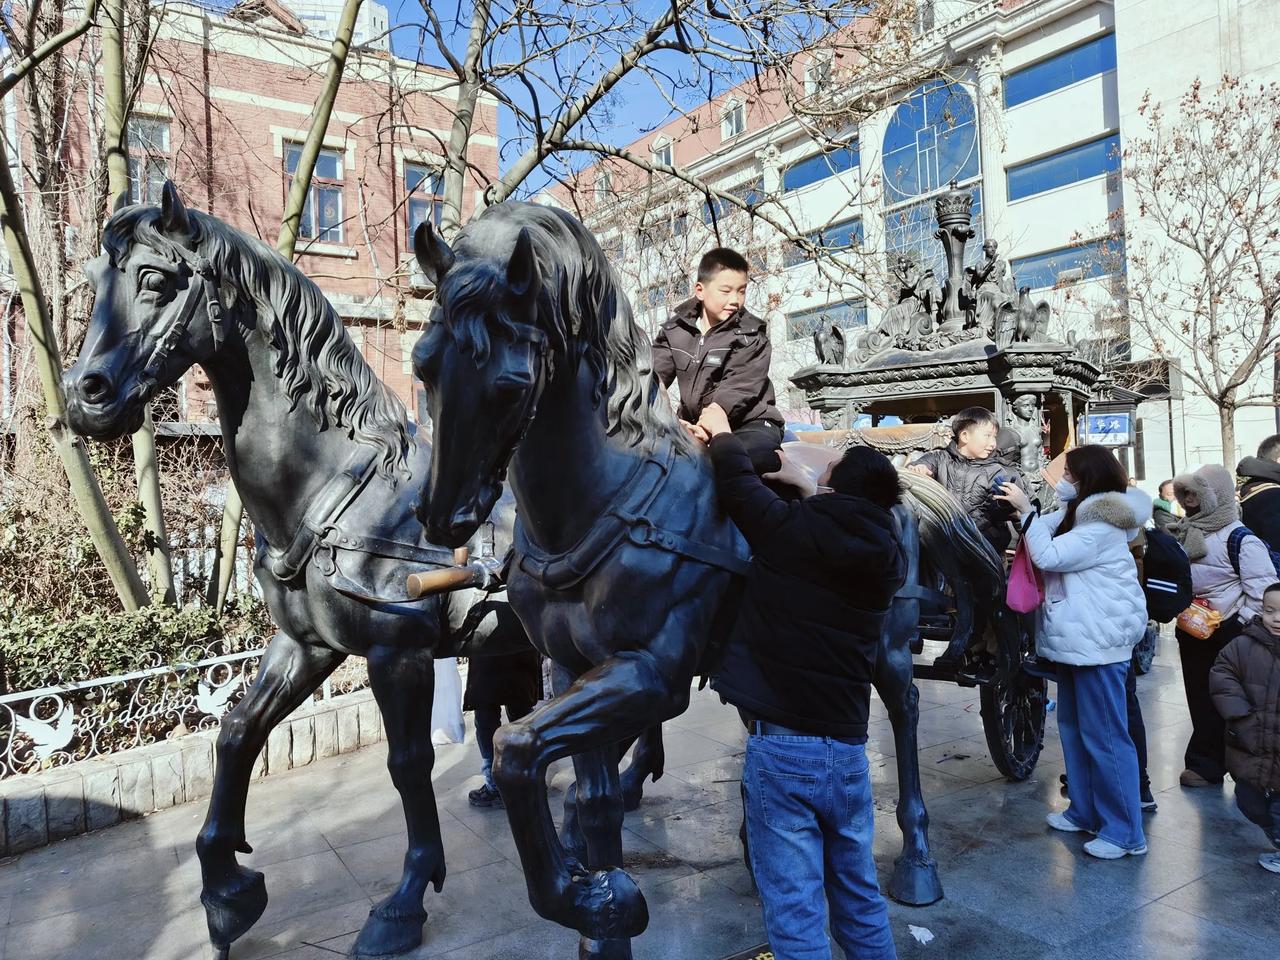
point(1102, 763)
point(809, 823)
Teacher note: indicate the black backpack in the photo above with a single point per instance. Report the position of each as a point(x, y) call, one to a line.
point(1166, 577)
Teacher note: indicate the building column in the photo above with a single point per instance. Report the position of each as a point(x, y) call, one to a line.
point(991, 144)
point(871, 202)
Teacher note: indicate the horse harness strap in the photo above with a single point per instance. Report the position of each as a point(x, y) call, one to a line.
point(201, 268)
point(625, 519)
point(323, 513)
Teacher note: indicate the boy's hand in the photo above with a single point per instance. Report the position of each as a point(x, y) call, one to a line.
point(791, 474)
point(920, 470)
point(714, 420)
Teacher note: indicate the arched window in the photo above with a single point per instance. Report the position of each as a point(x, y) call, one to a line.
point(931, 140)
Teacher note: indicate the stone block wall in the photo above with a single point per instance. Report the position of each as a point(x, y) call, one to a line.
point(39, 808)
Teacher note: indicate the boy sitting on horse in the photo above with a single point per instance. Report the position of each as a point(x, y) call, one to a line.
point(970, 468)
point(719, 352)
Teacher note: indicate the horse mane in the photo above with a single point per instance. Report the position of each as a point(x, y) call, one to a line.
point(318, 362)
point(580, 305)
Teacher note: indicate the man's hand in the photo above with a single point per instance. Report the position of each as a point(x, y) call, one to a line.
point(920, 470)
point(696, 431)
point(791, 474)
point(714, 420)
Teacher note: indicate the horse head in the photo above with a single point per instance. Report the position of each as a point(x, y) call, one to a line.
point(484, 360)
point(156, 313)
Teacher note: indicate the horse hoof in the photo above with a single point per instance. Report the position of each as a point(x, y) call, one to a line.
point(609, 905)
point(231, 912)
point(915, 881)
point(389, 932)
point(604, 949)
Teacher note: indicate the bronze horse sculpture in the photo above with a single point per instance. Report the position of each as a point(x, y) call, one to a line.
point(329, 468)
point(625, 568)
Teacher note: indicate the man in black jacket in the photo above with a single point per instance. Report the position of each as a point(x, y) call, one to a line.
point(1260, 493)
point(799, 664)
point(719, 352)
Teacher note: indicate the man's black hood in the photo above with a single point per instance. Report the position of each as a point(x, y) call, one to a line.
point(1255, 468)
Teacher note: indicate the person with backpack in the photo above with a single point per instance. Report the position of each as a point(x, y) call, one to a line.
point(1260, 492)
point(1230, 570)
point(1093, 613)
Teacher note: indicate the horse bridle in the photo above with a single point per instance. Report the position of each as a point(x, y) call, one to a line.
point(200, 266)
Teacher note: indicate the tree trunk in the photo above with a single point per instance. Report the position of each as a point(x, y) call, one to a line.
point(233, 510)
point(75, 461)
point(1227, 425)
point(455, 164)
point(116, 138)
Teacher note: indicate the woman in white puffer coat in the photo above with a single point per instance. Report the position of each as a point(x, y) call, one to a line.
point(1094, 611)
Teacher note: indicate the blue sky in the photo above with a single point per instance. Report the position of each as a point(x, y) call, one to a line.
point(635, 106)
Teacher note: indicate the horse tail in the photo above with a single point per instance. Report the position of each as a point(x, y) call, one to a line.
point(949, 538)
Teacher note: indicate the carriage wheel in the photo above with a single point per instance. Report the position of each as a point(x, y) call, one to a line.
point(1013, 717)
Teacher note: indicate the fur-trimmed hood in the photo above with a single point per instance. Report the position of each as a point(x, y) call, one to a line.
point(1126, 511)
point(1213, 484)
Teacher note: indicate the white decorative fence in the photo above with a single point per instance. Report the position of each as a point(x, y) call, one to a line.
point(86, 753)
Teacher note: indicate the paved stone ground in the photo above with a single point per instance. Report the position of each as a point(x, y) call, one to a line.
point(330, 839)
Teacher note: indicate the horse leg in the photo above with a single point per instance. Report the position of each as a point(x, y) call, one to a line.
point(234, 896)
point(620, 697)
point(402, 681)
point(647, 761)
point(915, 873)
point(600, 813)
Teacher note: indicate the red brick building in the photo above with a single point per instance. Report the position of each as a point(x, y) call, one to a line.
point(225, 105)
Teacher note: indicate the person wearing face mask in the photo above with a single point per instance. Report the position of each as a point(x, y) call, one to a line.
point(1230, 570)
point(1093, 614)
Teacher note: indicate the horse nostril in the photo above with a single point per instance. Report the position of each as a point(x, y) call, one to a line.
point(95, 388)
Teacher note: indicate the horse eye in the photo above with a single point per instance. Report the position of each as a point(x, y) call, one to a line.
point(152, 280)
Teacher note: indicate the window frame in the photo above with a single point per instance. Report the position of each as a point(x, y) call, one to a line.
point(819, 161)
point(854, 307)
point(434, 200)
point(738, 109)
point(602, 189)
point(1106, 45)
point(143, 154)
point(661, 148)
point(319, 182)
point(796, 256)
point(1093, 269)
point(1110, 164)
point(818, 73)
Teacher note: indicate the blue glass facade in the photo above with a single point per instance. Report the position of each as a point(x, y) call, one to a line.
point(834, 239)
point(849, 314)
point(819, 167)
point(1071, 66)
point(1068, 166)
point(931, 140)
point(1098, 258)
point(751, 193)
point(910, 230)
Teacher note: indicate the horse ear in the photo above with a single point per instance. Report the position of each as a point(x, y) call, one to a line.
point(522, 269)
point(173, 215)
point(432, 253)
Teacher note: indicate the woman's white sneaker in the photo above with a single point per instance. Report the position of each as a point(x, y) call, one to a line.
point(1059, 821)
point(1106, 850)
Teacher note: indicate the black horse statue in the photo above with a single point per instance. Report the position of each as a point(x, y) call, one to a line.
point(330, 469)
point(625, 567)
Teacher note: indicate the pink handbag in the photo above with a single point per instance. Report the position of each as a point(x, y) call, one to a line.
point(1026, 586)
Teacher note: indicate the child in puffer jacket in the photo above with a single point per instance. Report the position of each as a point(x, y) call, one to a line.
point(1245, 685)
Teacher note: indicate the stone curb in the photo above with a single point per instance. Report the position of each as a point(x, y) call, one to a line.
point(38, 808)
